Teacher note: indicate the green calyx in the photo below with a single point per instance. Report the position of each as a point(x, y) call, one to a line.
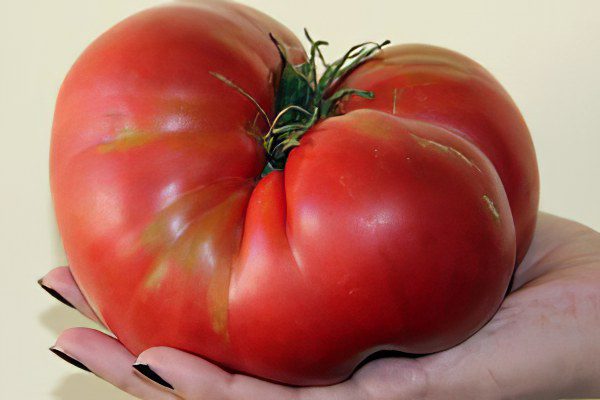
point(303, 98)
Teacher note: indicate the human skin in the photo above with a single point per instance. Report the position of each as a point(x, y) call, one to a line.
point(544, 343)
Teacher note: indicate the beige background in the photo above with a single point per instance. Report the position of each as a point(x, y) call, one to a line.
point(546, 53)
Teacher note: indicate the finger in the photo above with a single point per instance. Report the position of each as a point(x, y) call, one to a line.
point(107, 358)
point(193, 378)
point(60, 284)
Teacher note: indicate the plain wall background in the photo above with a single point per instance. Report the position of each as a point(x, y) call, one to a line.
point(546, 53)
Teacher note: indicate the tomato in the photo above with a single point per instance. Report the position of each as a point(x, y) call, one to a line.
point(375, 230)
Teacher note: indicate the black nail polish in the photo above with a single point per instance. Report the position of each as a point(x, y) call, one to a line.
point(145, 370)
point(54, 294)
point(69, 359)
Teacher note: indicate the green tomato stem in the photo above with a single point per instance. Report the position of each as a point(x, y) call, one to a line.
point(302, 97)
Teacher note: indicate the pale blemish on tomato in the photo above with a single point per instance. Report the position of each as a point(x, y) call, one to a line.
point(427, 143)
point(197, 237)
point(156, 276)
point(492, 207)
point(126, 139)
point(395, 98)
point(347, 187)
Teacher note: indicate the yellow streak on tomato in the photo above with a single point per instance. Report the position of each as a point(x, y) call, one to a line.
point(126, 139)
point(200, 233)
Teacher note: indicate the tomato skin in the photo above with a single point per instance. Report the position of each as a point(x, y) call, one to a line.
point(436, 85)
point(382, 232)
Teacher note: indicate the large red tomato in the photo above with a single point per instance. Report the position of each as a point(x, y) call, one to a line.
point(378, 230)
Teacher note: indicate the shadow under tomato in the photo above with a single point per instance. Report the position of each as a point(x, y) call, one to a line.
point(60, 317)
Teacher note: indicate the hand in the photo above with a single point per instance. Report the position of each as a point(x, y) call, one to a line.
point(544, 343)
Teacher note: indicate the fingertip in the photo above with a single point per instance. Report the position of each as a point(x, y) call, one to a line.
point(98, 351)
point(55, 276)
point(149, 373)
point(107, 358)
point(194, 377)
point(61, 285)
point(187, 374)
point(71, 360)
point(54, 293)
point(81, 340)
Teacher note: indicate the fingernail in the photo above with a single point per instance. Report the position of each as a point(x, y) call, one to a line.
point(54, 293)
point(145, 370)
point(69, 359)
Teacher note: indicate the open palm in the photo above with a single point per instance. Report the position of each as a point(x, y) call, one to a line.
point(544, 342)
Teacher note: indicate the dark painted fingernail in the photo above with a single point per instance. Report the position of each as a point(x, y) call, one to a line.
point(145, 370)
point(54, 294)
point(69, 359)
